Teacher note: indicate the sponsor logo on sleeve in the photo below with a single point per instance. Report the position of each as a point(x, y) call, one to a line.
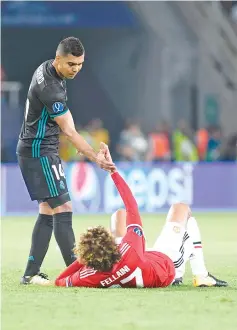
point(137, 231)
point(58, 107)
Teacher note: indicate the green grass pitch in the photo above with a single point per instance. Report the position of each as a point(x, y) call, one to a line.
point(186, 307)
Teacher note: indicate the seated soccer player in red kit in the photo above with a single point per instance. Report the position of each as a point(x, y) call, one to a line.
point(103, 263)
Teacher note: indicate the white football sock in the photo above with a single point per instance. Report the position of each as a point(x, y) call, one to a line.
point(188, 250)
point(197, 262)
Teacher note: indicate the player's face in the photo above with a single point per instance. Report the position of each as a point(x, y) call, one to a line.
point(69, 65)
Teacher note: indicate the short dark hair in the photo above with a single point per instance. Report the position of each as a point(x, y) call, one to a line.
point(71, 45)
point(97, 249)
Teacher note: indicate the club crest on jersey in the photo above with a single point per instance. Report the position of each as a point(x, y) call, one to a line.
point(58, 107)
point(137, 231)
point(62, 185)
point(176, 229)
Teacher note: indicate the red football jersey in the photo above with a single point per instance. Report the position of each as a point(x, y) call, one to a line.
point(137, 267)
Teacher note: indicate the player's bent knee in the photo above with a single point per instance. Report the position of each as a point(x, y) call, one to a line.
point(44, 208)
point(180, 206)
point(179, 212)
point(120, 217)
point(67, 207)
point(121, 213)
point(118, 223)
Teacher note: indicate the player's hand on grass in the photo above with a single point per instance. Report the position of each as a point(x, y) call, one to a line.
point(104, 150)
point(103, 161)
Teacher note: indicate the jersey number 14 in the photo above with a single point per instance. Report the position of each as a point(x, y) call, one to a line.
point(58, 172)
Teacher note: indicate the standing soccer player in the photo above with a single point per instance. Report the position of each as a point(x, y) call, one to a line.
point(46, 112)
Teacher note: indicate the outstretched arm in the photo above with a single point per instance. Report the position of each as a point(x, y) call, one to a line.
point(133, 216)
point(53, 97)
point(66, 123)
point(134, 236)
point(62, 279)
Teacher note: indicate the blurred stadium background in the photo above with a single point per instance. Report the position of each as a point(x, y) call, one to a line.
point(159, 85)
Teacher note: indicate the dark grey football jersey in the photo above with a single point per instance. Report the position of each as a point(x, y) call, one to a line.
point(46, 100)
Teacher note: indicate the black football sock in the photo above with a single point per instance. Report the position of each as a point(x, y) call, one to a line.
point(41, 236)
point(64, 235)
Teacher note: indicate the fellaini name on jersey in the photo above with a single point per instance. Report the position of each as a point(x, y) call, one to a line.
point(122, 271)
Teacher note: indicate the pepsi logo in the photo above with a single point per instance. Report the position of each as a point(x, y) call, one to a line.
point(84, 187)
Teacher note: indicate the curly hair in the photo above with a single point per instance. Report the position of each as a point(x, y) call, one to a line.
point(97, 249)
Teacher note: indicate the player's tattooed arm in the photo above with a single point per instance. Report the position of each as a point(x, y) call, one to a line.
point(66, 123)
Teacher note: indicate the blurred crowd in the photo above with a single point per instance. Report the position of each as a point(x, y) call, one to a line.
point(133, 144)
point(93, 133)
point(162, 144)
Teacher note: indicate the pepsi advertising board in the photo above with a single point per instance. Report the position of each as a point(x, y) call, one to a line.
point(155, 187)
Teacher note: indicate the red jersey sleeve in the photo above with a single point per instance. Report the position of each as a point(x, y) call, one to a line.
point(63, 278)
point(134, 236)
point(79, 276)
point(133, 216)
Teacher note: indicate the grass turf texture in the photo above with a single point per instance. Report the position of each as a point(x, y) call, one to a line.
point(186, 307)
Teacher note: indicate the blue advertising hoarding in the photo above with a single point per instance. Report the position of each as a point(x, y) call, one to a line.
point(202, 186)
